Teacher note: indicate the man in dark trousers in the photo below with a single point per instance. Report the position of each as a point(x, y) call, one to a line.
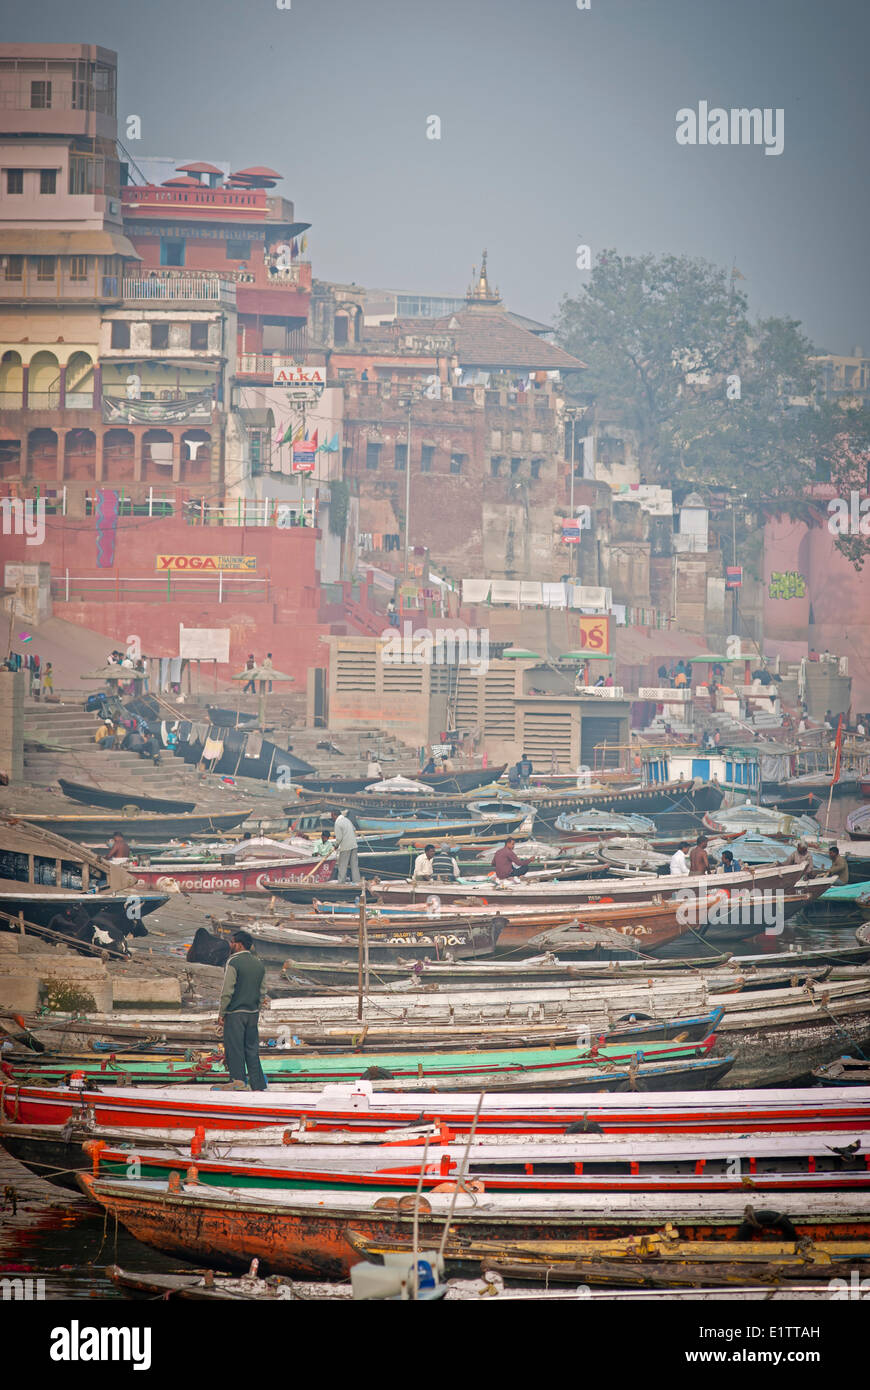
point(242, 997)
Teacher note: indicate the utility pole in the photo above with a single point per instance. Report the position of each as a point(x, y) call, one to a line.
point(409, 401)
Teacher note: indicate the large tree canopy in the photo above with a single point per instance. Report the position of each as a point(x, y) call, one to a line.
point(711, 397)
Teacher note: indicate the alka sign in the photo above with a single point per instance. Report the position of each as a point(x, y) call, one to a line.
point(208, 563)
point(294, 374)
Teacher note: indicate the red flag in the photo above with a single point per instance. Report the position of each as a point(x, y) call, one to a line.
point(838, 749)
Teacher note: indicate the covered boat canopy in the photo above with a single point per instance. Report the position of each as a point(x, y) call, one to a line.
point(604, 823)
point(19, 837)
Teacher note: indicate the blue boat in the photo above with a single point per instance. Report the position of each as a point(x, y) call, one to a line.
point(595, 825)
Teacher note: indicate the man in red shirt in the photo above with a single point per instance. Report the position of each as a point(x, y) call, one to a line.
point(506, 861)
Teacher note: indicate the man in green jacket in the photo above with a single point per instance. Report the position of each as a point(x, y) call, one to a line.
point(242, 997)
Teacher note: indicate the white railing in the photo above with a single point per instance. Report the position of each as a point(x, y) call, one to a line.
point(603, 692)
point(665, 694)
point(214, 290)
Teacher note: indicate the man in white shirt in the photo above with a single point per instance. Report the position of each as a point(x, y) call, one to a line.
point(346, 844)
point(679, 862)
point(423, 864)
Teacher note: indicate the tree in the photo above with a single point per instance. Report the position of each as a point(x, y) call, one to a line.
point(712, 398)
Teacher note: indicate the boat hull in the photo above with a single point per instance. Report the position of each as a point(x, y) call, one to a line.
point(141, 826)
point(309, 1238)
point(116, 801)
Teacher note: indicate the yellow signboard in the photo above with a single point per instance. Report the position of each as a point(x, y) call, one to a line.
point(245, 563)
point(595, 634)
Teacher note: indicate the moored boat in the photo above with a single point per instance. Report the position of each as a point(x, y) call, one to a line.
point(121, 800)
point(305, 1234)
point(140, 825)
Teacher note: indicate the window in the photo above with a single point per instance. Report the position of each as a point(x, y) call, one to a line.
point(48, 180)
point(45, 267)
point(14, 268)
point(85, 174)
point(456, 462)
point(171, 252)
point(238, 250)
point(427, 454)
point(495, 464)
point(373, 455)
point(401, 457)
point(495, 439)
point(516, 439)
point(40, 96)
point(199, 336)
point(339, 329)
point(14, 180)
point(160, 335)
point(120, 333)
point(536, 467)
point(260, 451)
point(78, 267)
point(516, 465)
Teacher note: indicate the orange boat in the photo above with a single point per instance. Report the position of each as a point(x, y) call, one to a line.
point(308, 1234)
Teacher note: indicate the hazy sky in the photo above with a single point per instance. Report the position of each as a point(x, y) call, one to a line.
point(558, 126)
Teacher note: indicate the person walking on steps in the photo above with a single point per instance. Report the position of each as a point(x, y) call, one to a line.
point(242, 998)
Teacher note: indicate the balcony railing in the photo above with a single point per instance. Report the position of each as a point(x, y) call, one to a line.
point(43, 400)
point(212, 290)
point(264, 364)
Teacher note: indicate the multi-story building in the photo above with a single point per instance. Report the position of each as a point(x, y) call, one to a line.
point(62, 257)
point(844, 378)
point(479, 395)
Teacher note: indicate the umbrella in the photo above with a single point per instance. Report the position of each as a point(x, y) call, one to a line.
point(584, 656)
point(513, 653)
point(261, 674)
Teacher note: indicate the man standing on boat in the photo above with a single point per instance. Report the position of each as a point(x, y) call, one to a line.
point(679, 863)
point(242, 998)
point(346, 843)
point(699, 860)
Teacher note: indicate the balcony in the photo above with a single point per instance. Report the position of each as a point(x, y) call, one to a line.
point(212, 289)
point(262, 365)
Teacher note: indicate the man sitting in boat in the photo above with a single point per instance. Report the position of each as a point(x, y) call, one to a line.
point(801, 855)
point(839, 865)
point(679, 866)
point(730, 865)
point(242, 998)
point(423, 864)
point(324, 846)
point(444, 866)
point(507, 863)
point(118, 847)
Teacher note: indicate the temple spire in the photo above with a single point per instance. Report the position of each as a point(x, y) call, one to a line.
point(479, 291)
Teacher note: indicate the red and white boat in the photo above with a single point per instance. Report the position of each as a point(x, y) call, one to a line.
point(360, 1108)
point(243, 876)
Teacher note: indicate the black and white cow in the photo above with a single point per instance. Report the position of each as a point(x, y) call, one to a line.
point(99, 930)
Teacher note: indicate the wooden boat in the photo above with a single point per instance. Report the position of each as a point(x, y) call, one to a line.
point(676, 805)
point(306, 1234)
point(454, 783)
point(844, 1071)
point(204, 1286)
point(142, 825)
point(359, 1109)
point(121, 800)
point(658, 1260)
point(858, 824)
point(587, 1164)
point(599, 825)
point(299, 1066)
point(239, 876)
point(764, 819)
point(387, 944)
point(639, 889)
point(49, 882)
